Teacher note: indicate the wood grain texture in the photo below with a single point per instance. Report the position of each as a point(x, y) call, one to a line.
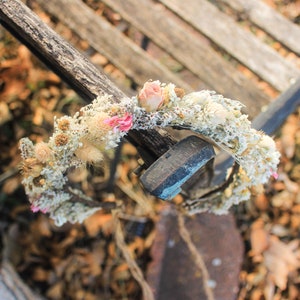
point(109, 41)
point(242, 45)
point(269, 20)
point(190, 49)
point(68, 63)
point(275, 115)
point(54, 51)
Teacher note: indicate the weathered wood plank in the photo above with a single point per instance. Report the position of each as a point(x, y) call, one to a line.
point(244, 46)
point(69, 64)
point(55, 52)
point(269, 20)
point(271, 119)
point(109, 41)
point(190, 49)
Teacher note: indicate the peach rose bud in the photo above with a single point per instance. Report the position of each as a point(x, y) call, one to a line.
point(151, 96)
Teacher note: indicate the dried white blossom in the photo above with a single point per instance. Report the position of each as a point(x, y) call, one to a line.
point(102, 124)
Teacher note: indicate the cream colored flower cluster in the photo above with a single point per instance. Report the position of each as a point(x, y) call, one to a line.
point(100, 125)
point(76, 141)
point(221, 121)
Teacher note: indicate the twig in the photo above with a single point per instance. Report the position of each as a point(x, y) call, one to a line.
point(141, 199)
point(196, 255)
point(9, 173)
point(133, 266)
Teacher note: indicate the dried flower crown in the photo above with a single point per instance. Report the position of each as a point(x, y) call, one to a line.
point(101, 125)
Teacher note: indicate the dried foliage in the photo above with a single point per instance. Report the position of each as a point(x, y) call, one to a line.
point(71, 262)
point(270, 227)
point(84, 261)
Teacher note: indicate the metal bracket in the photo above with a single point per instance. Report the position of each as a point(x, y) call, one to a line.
point(165, 177)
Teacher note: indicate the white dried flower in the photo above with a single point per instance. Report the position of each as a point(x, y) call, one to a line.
point(101, 124)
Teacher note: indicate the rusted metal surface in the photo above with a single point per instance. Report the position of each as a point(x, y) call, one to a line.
point(173, 273)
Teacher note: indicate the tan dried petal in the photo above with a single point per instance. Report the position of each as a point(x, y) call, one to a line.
point(42, 152)
point(179, 92)
point(31, 167)
point(89, 153)
point(97, 128)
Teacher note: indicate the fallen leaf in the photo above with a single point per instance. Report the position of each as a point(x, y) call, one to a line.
point(280, 259)
point(290, 185)
point(288, 132)
point(40, 274)
point(283, 200)
point(259, 238)
point(96, 222)
point(42, 227)
point(5, 114)
point(269, 289)
point(55, 291)
point(10, 185)
point(261, 202)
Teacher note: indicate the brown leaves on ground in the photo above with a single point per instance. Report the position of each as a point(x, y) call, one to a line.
point(74, 261)
point(71, 262)
point(271, 227)
point(279, 259)
point(288, 132)
point(83, 262)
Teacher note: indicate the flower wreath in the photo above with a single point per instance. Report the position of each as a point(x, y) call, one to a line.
point(100, 125)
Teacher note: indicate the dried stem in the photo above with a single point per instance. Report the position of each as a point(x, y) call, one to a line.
point(133, 266)
point(196, 255)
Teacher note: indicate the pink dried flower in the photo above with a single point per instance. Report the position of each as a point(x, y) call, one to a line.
point(37, 209)
point(151, 96)
point(275, 175)
point(122, 123)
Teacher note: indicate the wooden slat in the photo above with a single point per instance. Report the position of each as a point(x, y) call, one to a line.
point(72, 67)
point(269, 20)
point(52, 49)
point(244, 46)
point(190, 49)
point(106, 39)
point(273, 118)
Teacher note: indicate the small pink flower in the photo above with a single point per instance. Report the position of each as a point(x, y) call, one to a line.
point(275, 175)
point(37, 209)
point(122, 123)
point(151, 96)
point(34, 208)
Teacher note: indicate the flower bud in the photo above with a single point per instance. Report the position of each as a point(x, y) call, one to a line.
point(151, 96)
